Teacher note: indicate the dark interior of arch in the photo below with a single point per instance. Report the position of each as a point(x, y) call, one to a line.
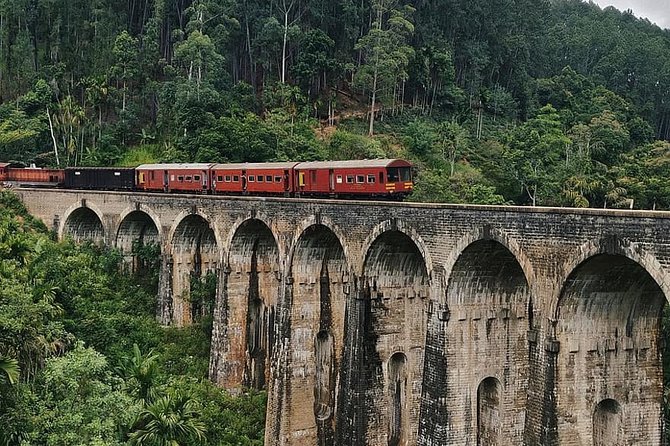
point(194, 235)
point(394, 261)
point(254, 260)
point(485, 269)
point(607, 424)
point(397, 371)
point(84, 224)
point(136, 229)
point(316, 245)
point(253, 236)
point(611, 288)
point(488, 413)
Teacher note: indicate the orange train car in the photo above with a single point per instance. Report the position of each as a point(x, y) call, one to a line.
point(35, 176)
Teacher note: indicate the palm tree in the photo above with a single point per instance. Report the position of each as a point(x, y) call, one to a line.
point(9, 370)
point(172, 420)
point(142, 368)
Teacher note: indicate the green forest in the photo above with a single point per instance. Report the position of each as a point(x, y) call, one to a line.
point(529, 102)
point(83, 360)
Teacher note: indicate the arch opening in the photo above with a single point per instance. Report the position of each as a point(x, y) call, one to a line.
point(490, 302)
point(84, 224)
point(319, 273)
point(252, 292)
point(489, 417)
point(135, 238)
point(195, 255)
point(607, 424)
point(397, 372)
point(394, 294)
point(608, 330)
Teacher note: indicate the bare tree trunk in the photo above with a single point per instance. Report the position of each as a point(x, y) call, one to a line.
point(371, 128)
point(53, 137)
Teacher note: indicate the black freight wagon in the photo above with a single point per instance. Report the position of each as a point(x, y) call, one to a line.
point(105, 178)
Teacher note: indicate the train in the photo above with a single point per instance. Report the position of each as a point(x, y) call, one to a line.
point(377, 178)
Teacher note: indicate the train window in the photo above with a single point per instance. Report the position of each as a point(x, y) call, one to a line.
point(268, 178)
point(260, 178)
point(350, 179)
point(371, 178)
point(236, 178)
point(188, 178)
point(180, 178)
point(313, 176)
point(277, 179)
point(219, 178)
point(252, 178)
point(381, 177)
point(405, 174)
point(360, 178)
point(196, 178)
point(393, 175)
point(339, 179)
point(227, 178)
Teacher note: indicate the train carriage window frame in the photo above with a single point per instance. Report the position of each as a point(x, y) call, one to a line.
point(180, 178)
point(196, 177)
point(236, 179)
point(338, 179)
point(219, 178)
point(360, 179)
point(188, 178)
point(268, 178)
point(277, 179)
point(350, 179)
point(259, 179)
point(251, 178)
point(227, 178)
point(371, 178)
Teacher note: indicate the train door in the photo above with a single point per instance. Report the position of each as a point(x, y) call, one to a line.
point(204, 177)
point(166, 181)
point(243, 178)
point(286, 182)
point(331, 180)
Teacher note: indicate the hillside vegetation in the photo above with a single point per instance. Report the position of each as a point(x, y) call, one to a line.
point(509, 101)
point(83, 361)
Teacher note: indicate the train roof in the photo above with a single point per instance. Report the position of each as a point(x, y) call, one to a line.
point(99, 168)
point(348, 164)
point(171, 166)
point(3, 165)
point(244, 166)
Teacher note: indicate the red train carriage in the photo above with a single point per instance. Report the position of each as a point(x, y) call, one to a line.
point(35, 176)
point(253, 178)
point(4, 171)
point(389, 178)
point(193, 177)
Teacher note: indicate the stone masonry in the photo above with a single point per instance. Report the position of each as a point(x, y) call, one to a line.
point(392, 324)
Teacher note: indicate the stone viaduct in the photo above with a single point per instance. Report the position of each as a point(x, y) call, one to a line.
point(399, 324)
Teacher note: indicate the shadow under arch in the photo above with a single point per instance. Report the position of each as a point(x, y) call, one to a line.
point(83, 222)
point(316, 297)
point(489, 315)
point(390, 315)
point(193, 249)
point(608, 328)
point(136, 229)
point(244, 320)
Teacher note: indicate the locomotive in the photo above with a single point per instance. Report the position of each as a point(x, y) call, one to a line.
point(378, 178)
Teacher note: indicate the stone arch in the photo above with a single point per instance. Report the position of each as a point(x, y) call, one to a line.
point(394, 225)
point(244, 327)
point(394, 291)
point(489, 414)
point(612, 245)
point(607, 336)
point(608, 424)
point(194, 252)
point(83, 221)
point(494, 234)
point(488, 296)
point(137, 227)
point(319, 284)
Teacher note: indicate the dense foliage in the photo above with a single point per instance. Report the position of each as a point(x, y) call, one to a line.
point(529, 101)
point(83, 362)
